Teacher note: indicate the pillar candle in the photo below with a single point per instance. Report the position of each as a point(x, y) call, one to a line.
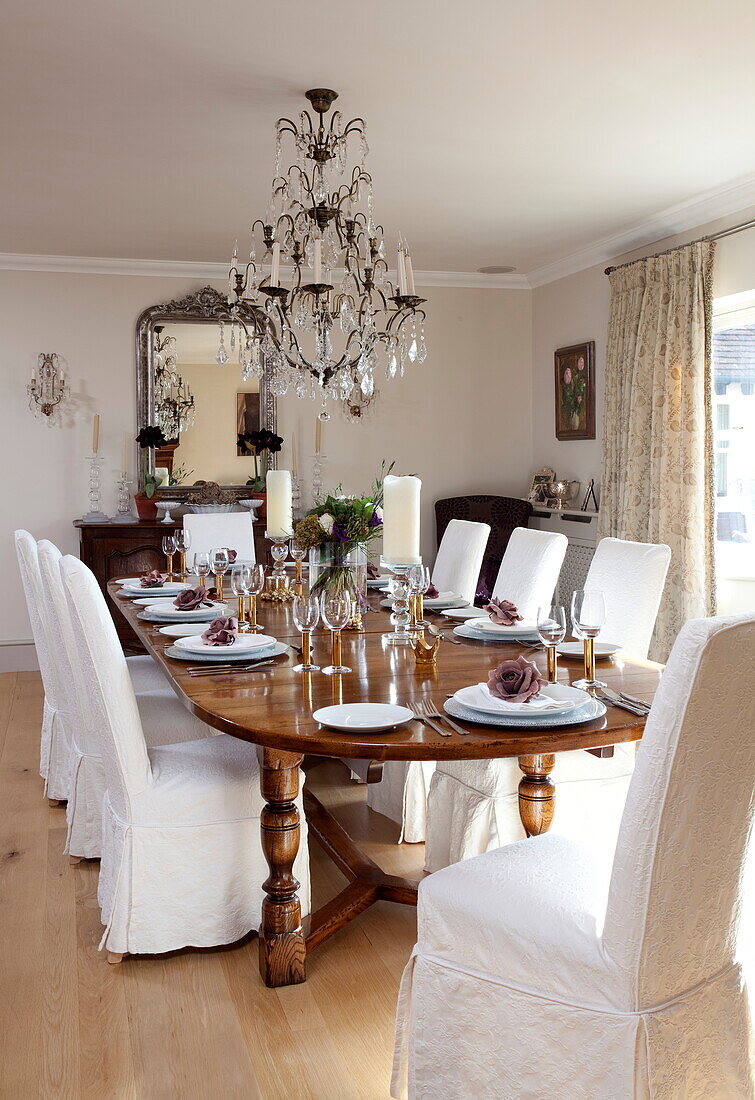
point(279, 504)
point(124, 455)
point(318, 261)
point(401, 520)
point(96, 434)
point(275, 273)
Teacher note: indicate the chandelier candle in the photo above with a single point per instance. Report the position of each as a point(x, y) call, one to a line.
point(401, 519)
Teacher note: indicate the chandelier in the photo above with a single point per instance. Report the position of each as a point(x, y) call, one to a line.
point(327, 328)
point(174, 401)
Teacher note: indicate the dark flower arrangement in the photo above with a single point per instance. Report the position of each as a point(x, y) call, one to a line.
point(150, 438)
point(256, 444)
point(573, 389)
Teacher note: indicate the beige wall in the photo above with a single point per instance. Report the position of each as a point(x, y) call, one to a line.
point(462, 420)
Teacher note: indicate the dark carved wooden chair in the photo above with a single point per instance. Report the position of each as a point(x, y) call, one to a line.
point(502, 513)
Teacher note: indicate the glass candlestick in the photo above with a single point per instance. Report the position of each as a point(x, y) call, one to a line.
point(317, 461)
point(400, 600)
point(95, 513)
point(277, 588)
point(296, 497)
point(123, 515)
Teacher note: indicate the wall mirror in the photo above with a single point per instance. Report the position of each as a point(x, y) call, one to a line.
point(189, 383)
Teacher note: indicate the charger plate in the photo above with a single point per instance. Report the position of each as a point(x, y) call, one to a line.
point(225, 657)
point(207, 616)
point(464, 630)
point(586, 713)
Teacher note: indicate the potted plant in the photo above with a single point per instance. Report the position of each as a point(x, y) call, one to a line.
point(259, 445)
point(149, 439)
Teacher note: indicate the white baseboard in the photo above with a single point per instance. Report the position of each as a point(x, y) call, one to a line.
point(18, 656)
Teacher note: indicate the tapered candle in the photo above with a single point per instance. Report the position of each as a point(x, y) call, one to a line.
point(280, 516)
point(275, 273)
point(124, 455)
point(400, 271)
point(96, 434)
point(318, 436)
point(409, 273)
point(401, 519)
point(293, 455)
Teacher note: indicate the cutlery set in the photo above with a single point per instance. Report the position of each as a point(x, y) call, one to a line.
point(427, 712)
point(626, 702)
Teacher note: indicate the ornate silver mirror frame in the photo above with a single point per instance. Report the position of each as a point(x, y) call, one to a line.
point(204, 305)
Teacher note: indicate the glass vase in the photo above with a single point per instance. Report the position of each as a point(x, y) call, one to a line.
point(333, 567)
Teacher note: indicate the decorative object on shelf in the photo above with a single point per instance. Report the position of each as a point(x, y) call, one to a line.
point(314, 220)
point(253, 505)
point(95, 513)
point(425, 653)
point(590, 495)
point(148, 439)
point(259, 444)
point(48, 388)
point(124, 514)
point(561, 492)
point(540, 479)
point(575, 391)
point(174, 401)
point(165, 506)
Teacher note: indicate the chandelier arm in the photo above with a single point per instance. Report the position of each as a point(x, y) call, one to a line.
point(353, 127)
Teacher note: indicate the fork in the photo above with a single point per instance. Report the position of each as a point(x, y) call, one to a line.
point(620, 697)
point(439, 634)
point(432, 711)
point(418, 713)
point(213, 670)
point(616, 701)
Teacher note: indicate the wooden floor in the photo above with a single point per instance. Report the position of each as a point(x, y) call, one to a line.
point(193, 1024)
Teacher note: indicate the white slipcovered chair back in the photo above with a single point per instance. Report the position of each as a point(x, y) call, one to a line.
point(529, 569)
point(459, 559)
point(631, 576)
point(58, 628)
point(231, 529)
point(109, 688)
point(672, 910)
point(28, 563)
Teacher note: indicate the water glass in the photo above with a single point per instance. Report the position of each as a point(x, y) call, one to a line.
point(183, 543)
point(298, 553)
point(306, 616)
point(201, 567)
point(256, 584)
point(240, 577)
point(588, 612)
point(419, 582)
point(219, 563)
point(169, 549)
point(551, 629)
point(335, 609)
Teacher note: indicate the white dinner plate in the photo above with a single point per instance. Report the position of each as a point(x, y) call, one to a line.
point(155, 600)
point(464, 613)
point(179, 630)
point(363, 717)
point(245, 643)
point(168, 611)
point(563, 696)
point(378, 582)
point(224, 655)
point(168, 589)
point(470, 631)
point(526, 626)
point(577, 649)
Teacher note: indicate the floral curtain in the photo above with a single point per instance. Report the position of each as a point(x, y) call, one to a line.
point(657, 479)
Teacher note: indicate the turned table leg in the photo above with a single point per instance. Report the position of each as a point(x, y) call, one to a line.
point(282, 949)
point(537, 793)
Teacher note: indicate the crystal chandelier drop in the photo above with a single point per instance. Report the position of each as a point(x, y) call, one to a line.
point(339, 318)
point(174, 401)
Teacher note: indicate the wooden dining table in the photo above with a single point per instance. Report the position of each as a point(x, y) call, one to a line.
point(272, 708)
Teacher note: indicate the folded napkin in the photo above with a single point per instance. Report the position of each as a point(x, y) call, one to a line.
point(372, 571)
point(155, 579)
point(432, 592)
point(485, 701)
point(515, 681)
point(191, 598)
point(503, 612)
point(221, 632)
point(232, 555)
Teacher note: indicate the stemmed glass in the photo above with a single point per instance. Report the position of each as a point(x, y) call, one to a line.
point(588, 612)
point(183, 543)
point(219, 565)
point(298, 553)
point(335, 609)
point(419, 582)
point(551, 629)
point(256, 584)
point(306, 615)
point(201, 567)
point(240, 577)
point(169, 549)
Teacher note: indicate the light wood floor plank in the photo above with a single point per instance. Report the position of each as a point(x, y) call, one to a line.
point(60, 987)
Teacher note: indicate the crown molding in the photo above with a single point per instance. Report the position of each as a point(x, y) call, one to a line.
point(183, 269)
point(703, 208)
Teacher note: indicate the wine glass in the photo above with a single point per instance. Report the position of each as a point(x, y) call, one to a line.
point(219, 564)
point(298, 553)
point(169, 549)
point(588, 612)
point(306, 616)
point(240, 577)
point(183, 543)
point(335, 608)
point(419, 582)
point(256, 584)
point(201, 567)
point(551, 629)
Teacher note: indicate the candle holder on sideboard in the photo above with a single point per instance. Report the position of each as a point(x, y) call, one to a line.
point(95, 513)
point(400, 601)
point(123, 515)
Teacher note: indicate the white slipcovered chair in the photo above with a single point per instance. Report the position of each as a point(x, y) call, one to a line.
point(163, 717)
point(549, 968)
point(473, 805)
point(401, 794)
point(231, 529)
point(182, 860)
point(529, 569)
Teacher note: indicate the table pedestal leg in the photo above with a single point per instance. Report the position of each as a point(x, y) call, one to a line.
point(537, 793)
point(282, 948)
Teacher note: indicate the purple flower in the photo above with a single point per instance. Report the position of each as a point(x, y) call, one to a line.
point(190, 598)
point(431, 592)
point(515, 681)
point(223, 631)
point(155, 579)
point(503, 612)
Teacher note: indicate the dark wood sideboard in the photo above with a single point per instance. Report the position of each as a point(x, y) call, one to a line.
point(127, 549)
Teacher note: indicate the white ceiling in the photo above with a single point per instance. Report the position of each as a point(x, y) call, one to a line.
point(500, 132)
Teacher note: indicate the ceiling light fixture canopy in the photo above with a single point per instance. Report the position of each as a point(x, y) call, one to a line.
point(320, 223)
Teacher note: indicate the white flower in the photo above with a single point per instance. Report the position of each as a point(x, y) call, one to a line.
point(379, 512)
point(326, 522)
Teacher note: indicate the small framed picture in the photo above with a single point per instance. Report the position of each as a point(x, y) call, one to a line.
point(575, 391)
point(540, 479)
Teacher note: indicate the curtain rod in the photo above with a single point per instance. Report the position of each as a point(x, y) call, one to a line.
point(667, 251)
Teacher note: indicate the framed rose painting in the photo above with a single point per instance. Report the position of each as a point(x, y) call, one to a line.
point(575, 391)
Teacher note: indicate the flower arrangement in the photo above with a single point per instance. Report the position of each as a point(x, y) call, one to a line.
point(150, 438)
point(259, 445)
point(573, 389)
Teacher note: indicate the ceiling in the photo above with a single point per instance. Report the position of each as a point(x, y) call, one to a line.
point(500, 132)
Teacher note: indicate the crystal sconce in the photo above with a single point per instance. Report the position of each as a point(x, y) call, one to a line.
point(48, 387)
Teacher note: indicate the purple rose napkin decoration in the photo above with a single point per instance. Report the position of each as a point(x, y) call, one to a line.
point(503, 612)
point(372, 571)
point(221, 632)
point(515, 681)
point(432, 592)
point(191, 598)
point(232, 555)
point(155, 579)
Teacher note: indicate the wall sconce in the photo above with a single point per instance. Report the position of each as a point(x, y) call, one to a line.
point(48, 386)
